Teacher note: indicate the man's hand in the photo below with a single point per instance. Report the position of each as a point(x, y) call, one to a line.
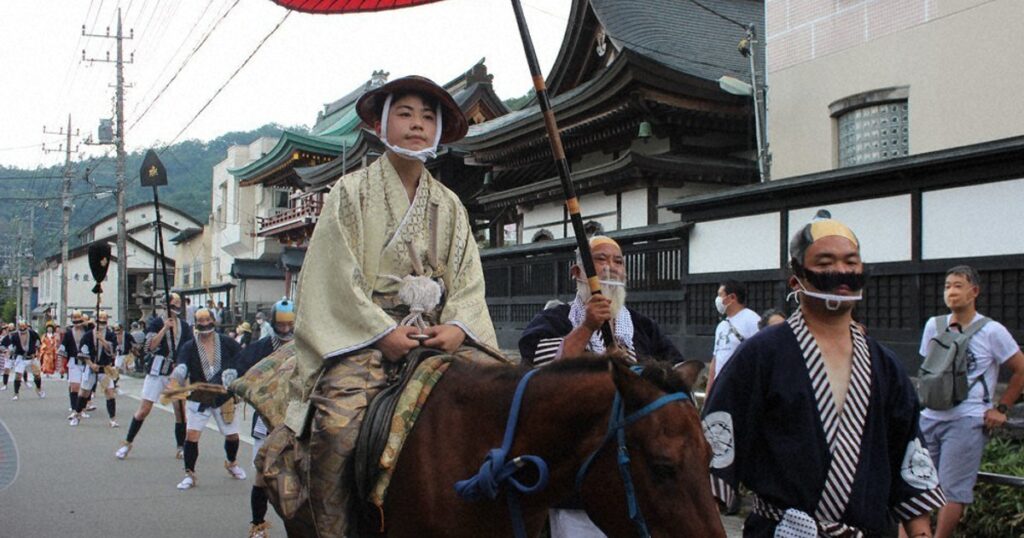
point(94, 367)
point(168, 324)
point(994, 419)
point(397, 343)
point(599, 310)
point(228, 376)
point(447, 338)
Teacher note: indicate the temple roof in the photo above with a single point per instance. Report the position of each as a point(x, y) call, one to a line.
point(626, 171)
point(289, 147)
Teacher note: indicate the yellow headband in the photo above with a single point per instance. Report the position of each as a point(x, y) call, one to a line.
point(830, 227)
point(599, 240)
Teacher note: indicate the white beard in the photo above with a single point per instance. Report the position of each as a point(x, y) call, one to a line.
point(617, 294)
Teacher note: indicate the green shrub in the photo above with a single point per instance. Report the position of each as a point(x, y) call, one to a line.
point(997, 511)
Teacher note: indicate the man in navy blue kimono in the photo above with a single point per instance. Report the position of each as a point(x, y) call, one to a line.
point(817, 420)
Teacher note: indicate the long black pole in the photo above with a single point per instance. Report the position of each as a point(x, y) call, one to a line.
point(163, 265)
point(572, 203)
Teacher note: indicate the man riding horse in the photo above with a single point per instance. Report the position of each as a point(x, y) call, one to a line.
point(391, 266)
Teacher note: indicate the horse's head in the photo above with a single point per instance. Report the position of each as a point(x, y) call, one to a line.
point(669, 460)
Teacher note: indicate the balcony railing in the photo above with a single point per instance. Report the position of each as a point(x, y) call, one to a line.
point(305, 213)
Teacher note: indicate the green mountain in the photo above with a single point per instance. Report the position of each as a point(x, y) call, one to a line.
point(189, 171)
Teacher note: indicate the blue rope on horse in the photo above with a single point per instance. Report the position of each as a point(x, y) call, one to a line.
point(617, 427)
point(495, 471)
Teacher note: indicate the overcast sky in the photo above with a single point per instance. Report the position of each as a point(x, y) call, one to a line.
point(309, 61)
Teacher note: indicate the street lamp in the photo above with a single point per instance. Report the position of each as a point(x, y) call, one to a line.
point(735, 86)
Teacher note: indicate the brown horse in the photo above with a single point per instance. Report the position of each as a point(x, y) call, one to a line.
point(564, 417)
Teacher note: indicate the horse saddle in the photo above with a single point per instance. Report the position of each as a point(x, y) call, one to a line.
point(376, 426)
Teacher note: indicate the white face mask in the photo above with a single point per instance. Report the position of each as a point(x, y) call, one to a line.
point(419, 155)
point(832, 301)
point(720, 305)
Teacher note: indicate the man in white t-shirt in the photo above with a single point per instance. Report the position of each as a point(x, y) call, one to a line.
point(956, 437)
point(738, 324)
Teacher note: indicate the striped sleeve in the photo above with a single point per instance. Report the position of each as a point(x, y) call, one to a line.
point(547, 350)
point(922, 503)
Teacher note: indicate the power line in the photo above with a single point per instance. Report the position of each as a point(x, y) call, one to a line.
point(190, 56)
point(719, 15)
point(232, 77)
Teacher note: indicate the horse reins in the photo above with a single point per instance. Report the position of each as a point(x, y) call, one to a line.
point(495, 471)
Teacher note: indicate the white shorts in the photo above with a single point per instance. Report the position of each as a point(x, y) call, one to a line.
point(256, 445)
point(153, 386)
point(119, 362)
point(7, 363)
point(21, 364)
point(197, 419)
point(93, 381)
point(75, 372)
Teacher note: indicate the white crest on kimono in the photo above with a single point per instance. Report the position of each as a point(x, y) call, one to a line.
point(918, 470)
point(719, 434)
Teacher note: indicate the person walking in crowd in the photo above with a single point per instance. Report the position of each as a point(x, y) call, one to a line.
point(101, 343)
point(283, 316)
point(48, 349)
point(23, 345)
point(5, 354)
point(164, 339)
point(955, 436)
point(738, 323)
point(263, 328)
point(772, 316)
point(208, 358)
point(817, 420)
point(244, 334)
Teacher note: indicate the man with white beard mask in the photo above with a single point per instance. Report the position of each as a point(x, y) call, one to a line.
point(573, 329)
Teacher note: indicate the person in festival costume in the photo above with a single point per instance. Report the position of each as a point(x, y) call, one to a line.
point(164, 338)
point(6, 360)
point(817, 391)
point(389, 235)
point(282, 332)
point(124, 351)
point(209, 358)
point(48, 349)
point(102, 344)
point(75, 357)
point(24, 347)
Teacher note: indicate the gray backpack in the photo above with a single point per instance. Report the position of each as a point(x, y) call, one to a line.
point(942, 379)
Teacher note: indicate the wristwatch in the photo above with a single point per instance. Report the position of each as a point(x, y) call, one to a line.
point(1002, 408)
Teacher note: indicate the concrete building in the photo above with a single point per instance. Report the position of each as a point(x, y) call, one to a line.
point(142, 250)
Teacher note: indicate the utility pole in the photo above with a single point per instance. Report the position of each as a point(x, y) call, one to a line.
point(122, 234)
point(65, 201)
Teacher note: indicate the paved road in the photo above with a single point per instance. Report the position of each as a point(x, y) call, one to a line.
point(70, 484)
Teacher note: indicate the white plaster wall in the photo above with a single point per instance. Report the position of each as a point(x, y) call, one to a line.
point(882, 225)
point(542, 215)
point(264, 291)
point(979, 220)
point(736, 244)
point(597, 202)
point(634, 208)
point(666, 195)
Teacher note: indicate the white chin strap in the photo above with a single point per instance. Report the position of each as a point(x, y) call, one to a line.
point(420, 155)
point(832, 302)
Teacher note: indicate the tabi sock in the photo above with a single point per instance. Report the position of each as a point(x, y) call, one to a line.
point(179, 433)
point(191, 455)
point(231, 449)
point(258, 504)
point(133, 429)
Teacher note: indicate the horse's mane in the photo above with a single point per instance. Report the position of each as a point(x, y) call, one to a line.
point(659, 373)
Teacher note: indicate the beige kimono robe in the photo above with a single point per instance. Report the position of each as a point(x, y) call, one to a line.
point(360, 240)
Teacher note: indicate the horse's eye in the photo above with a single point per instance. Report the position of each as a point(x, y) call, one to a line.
point(663, 471)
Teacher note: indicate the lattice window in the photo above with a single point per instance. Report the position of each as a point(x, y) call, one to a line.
point(888, 303)
point(700, 304)
point(874, 133)
point(1002, 297)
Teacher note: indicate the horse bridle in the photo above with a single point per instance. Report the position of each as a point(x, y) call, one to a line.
point(496, 471)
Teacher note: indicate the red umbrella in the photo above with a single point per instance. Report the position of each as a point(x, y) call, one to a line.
point(348, 6)
point(554, 137)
